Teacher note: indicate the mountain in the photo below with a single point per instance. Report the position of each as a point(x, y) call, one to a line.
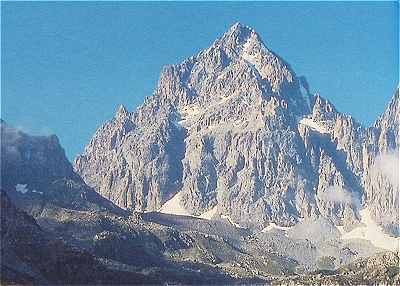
point(37, 175)
point(235, 132)
point(57, 230)
point(232, 172)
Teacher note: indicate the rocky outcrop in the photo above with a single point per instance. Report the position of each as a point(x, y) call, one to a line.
point(36, 174)
point(29, 255)
point(380, 269)
point(381, 159)
point(135, 159)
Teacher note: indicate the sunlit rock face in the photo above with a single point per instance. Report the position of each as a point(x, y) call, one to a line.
point(381, 161)
point(234, 129)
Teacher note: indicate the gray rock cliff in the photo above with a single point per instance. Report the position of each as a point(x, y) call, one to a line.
point(234, 128)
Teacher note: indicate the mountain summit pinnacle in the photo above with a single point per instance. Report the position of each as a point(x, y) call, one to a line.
point(121, 112)
point(240, 27)
point(237, 35)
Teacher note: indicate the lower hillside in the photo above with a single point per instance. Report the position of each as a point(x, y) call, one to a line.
point(66, 246)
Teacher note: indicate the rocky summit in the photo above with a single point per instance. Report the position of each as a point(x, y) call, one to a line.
point(232, 172)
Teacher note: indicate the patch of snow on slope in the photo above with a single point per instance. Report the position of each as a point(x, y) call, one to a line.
point(253, 59)
point(273, 226)
point(228, 218)
point(209, 214)
point(372, 232)
point(313, 125)
point(21, 188)
point(173, 206)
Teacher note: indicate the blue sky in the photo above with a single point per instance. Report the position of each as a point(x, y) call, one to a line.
point(67, 66)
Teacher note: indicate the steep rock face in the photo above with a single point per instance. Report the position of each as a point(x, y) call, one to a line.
point(334, 146)
point(134, 160)
point(381, 157)
point(233, 129)
point(226, 109)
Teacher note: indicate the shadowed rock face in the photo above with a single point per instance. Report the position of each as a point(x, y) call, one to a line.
point(235, 128)
point(381, 176)
point(32, 160)
point(36, 175)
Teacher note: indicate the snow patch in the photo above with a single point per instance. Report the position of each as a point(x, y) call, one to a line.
point(273, 226)
point(37, 192)
point(209, 214)
point(253, 59)
point(173, 206)
point(313, 125)
point(228, 218)
point(338, 194)
point(21, 188)
point(372, 232)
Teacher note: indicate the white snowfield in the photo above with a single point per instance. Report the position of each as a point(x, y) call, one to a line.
point(174, 207)
point(228, 218)
point(21, 188)
point(255, 59)
point(313, 125)
point(305, 96)
point(190, 114)
point(273, 226)
point(209, 214)
point(369, 231)
point(372, 232)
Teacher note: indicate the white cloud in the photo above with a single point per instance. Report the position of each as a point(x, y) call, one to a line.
point(387, 164)
point(338, 195)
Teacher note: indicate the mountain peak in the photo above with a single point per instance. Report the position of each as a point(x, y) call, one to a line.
point(121, 112)
point(240, 27)
point(237, 35)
